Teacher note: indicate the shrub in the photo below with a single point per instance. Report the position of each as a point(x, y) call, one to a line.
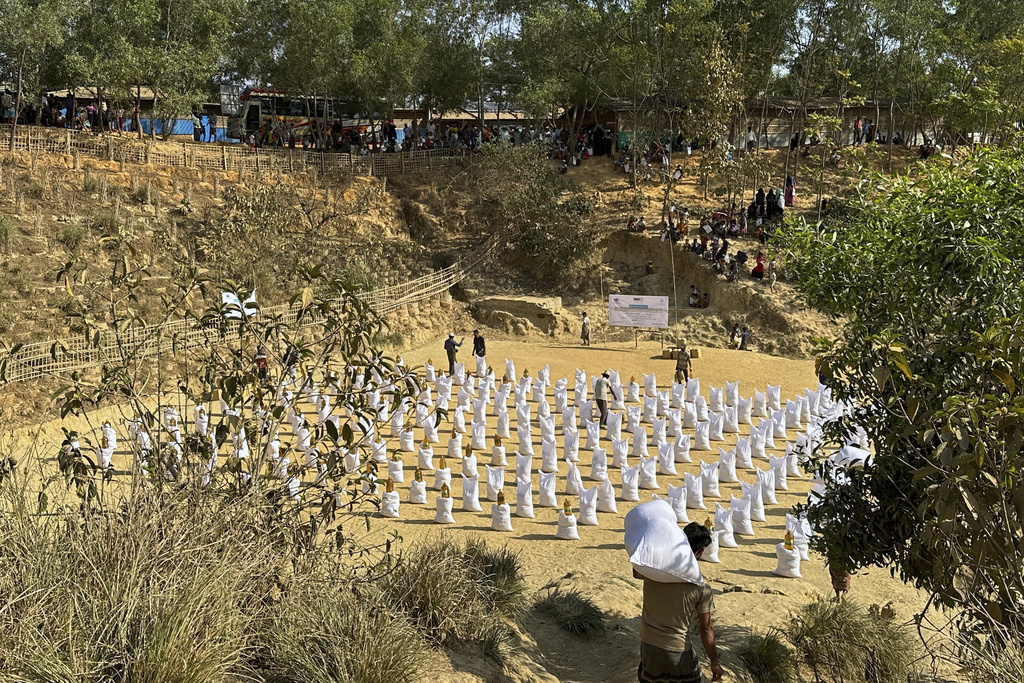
point(1000, 659)
point(8, 234)
point(573, 611)
point(458, 593)
point(103, 222)
point(162, 591)
point(841, 641)
point(326, 635)
point(769, 659)
point(501, 569)
point(71, 237)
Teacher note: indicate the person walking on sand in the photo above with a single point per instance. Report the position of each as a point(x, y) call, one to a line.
point(744, 339)
point(585, 330)
point(672, 613)
point(683, 364)
point(451, 347)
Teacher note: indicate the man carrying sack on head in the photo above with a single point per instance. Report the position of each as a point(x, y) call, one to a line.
point(678, 602)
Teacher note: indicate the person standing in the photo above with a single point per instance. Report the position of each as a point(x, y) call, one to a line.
point(197, 128)
point(772, 275)
point(683, 364)
point(744, 339)
point(479, 350)
point(451, 347)
point(479, 345)
point(790, 193)
point(585, 330)
point(751, 139)
point(672, 612)
point(735, 334)
point(212, 137)
point(602, 387)
point(857, 131)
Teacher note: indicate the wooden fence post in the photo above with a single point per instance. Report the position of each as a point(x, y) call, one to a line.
point(257, 150)
point(67, 141)
point(184, 154)
point(224, 158)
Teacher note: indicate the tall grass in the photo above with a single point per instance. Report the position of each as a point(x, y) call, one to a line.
point(768, 659)
point(455, 592)
point(840, 641)
point(323, 635)
point(187, 586)
point(157, 590)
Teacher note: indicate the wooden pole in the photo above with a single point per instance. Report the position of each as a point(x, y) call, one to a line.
point(672, 258)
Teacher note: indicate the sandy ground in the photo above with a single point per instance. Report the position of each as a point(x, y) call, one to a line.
point(748, 596)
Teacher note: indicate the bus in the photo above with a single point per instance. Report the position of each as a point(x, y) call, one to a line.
point(288, 113)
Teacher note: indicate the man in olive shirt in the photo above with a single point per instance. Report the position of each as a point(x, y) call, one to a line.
point(672, 613)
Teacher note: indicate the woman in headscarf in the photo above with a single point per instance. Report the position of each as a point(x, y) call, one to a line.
point(790, 190)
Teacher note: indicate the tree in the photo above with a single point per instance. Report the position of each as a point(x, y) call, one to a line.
point(923, 275)
point(521, 195)
point(28, 28)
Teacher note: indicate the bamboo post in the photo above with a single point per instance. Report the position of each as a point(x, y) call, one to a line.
point(184, 154)
point(224, 158)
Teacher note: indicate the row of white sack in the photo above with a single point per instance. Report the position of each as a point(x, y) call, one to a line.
point(664, 463)
point(688, 391)
point(690, 496)
point(677, 450)
point(658, 548)
point(818, 399)
point(804, 407)
point(762, 436)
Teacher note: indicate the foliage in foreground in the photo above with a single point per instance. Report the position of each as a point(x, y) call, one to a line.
point(768, 659)
point(189, 587)
point(573, 611)
point(840, 641)
point(925, 276)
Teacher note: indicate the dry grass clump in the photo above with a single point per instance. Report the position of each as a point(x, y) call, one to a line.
point(573, 611)
point(455, 592)
point(840, 641)
point(156, 590)
point(188, 586)
point(325, 635)
point(768, 659)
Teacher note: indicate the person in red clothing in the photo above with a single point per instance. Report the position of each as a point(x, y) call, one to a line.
point(758, 272)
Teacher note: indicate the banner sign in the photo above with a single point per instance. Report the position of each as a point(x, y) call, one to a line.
point(235, 307)
point(637, 311)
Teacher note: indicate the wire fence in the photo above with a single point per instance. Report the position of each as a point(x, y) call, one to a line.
point(61, 356)
point(222, 157)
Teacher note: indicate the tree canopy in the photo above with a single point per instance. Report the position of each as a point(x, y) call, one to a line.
point(924, 274)
point(697, 65)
